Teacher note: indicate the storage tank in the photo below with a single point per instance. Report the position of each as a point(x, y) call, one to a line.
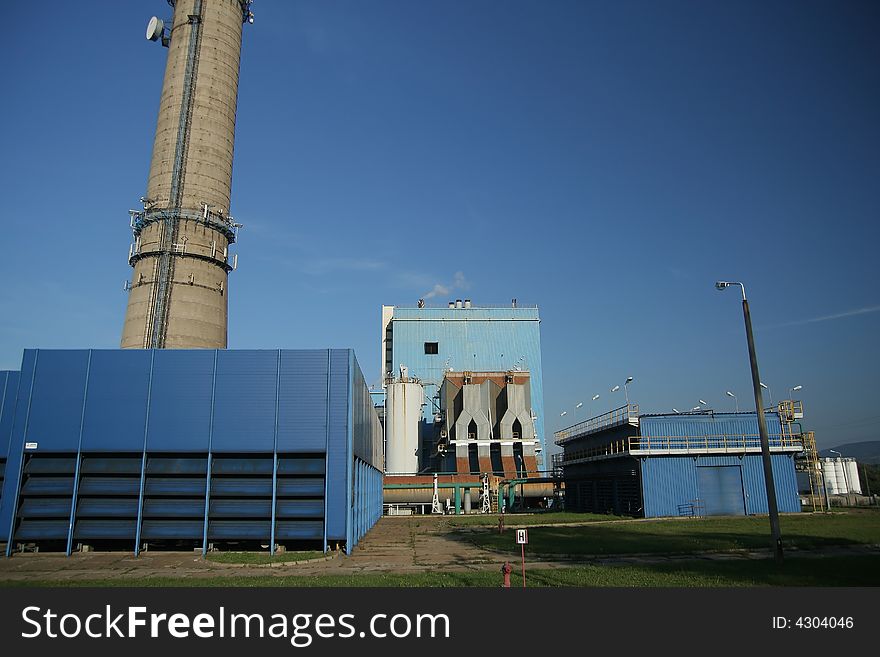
point(830, 473)
point(403, 412)
point(852, 474)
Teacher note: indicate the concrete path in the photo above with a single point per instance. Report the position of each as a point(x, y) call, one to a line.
point(396, 544)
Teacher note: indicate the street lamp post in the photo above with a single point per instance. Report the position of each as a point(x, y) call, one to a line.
point(762, 426)
point(629, 380)
point(735, 400)
point(769, 394)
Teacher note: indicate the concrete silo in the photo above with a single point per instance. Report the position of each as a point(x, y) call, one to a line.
point(180, 254)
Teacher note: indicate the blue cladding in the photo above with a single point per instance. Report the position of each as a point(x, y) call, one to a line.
point(113, 411)
point(708, 424)
point(8, 393)
point(302, 413)
point(115, 404)
point(56, 405)
point(11, 481)
point(365, 422)
point(244, 402)
point(180, 400)
point(338, 448)
point(671, 481)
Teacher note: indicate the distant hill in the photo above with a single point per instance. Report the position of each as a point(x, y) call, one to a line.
point(866, 452)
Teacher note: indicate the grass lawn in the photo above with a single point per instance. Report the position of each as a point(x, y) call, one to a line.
point(257, 558)
point(519, 519)
point(802, 531)
point(827, 571)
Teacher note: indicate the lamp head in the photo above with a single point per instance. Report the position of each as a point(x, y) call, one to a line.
point(765, 386)
point(797, 388)
point(595, 397)
point(730, 394)
point(628, 380)
point(704, 403)
point(615, 388)
point(720, 285)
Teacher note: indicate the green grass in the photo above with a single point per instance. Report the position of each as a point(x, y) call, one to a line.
point(258, 558)
point(804, 531)
point(827, 571)
point(519, 519)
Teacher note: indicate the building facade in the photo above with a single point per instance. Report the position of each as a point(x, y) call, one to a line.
point(702, 463)
point(436, 344)
point(134, 448)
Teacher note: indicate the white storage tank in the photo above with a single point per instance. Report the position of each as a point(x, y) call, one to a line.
point(403, 413)
point(852, 474)
point(841, 476)
point(830, 473)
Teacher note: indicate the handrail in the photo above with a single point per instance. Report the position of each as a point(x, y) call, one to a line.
point(722, 442)
point(614, 417)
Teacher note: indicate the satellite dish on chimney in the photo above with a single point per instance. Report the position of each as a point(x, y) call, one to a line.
point(155, 28)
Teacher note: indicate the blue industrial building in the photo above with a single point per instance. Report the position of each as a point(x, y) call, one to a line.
point(703, 463)
point(134, 448)
point(431, 341)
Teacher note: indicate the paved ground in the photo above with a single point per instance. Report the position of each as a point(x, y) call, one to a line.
point(395, 544)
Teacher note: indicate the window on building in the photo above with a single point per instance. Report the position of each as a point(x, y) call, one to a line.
point(432, 347)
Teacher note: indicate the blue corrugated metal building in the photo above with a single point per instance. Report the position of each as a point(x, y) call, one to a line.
point(702, 463)
point(8, 389)
point(198, 447)
point(429, 341)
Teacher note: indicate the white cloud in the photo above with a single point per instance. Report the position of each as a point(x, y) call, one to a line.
point(826, 318)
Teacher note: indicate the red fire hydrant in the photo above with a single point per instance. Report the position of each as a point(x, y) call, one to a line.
point(506, 570)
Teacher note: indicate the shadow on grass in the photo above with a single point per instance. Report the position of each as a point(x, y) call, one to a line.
point(828, 571)
point(686, 537)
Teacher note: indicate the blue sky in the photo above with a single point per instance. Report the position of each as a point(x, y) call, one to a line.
point(607, 161)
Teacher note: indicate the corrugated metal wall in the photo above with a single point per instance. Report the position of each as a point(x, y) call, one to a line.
point(670, 481)
point(707, 424)
point(188, 444)
point(8, 392)
point(476, 339)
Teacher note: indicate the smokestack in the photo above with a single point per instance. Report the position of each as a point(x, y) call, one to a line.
point(452, 304)
point(467, 303)
point(178, 295)
point(458, 303)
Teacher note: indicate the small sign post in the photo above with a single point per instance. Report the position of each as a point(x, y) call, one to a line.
point(522, 537)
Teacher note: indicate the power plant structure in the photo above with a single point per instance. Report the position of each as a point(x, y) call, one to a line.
point(682, 464)
point(178, 295)
point(464, 416)
point(174, 441)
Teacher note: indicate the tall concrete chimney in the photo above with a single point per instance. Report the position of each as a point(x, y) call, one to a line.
point(178, 293)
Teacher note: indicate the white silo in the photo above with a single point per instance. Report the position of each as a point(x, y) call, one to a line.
point(830, 473)
point(403, 412)
point(852, 476)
